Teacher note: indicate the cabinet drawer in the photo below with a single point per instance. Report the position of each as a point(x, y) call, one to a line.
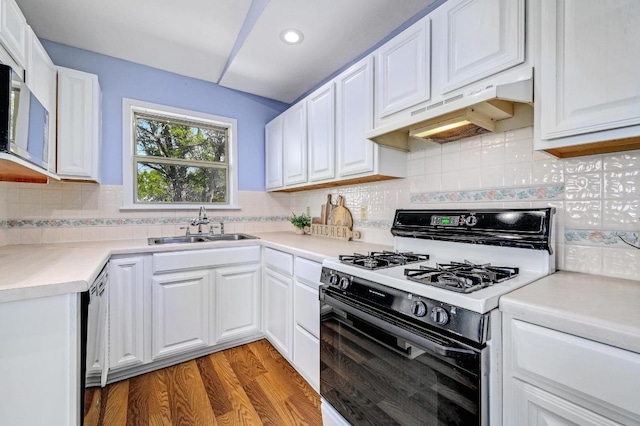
point(307, 308)
point(192, 259)
point(308, 272)
point(306, 356)
point(579, 366)
point(279, 261)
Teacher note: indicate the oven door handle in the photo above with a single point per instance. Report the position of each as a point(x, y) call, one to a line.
point(420, 342)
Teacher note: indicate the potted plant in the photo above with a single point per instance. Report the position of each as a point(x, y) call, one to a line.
point(300, 222)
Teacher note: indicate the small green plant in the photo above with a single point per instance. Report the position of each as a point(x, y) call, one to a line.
point(300, 221)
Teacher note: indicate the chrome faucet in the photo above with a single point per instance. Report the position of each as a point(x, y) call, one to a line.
point(202, 219)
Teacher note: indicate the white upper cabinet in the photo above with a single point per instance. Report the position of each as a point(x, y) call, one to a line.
point(321, 133)
point(590, 56)
point(402, 70)
point(13, 31)
point(294, 139)
point(354, 117)
point(474, 39)
point(273, 154)
point(40, 76)
point(79, 125)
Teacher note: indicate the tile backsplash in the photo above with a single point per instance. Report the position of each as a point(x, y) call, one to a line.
point(67, 212)
point(597, 200)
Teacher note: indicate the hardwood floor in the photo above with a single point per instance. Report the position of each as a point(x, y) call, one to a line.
point(248, 385)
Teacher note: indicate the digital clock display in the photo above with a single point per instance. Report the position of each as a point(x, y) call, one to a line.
point(445, 220)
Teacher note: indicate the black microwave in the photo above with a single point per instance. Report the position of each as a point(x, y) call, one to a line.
point(24, 121)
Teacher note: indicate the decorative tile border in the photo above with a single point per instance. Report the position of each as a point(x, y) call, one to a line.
point(602, 238)
point(379, 224)
point(536, 193)
point(68, 223)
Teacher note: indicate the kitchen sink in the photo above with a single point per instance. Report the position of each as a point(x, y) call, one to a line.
point(182, 239)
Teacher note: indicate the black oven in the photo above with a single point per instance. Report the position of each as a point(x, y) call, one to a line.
point(380, 368)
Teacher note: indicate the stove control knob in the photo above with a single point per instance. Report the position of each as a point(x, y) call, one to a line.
point(344, 282)
point(333, 279)
point(439, 315)
point(419, 309)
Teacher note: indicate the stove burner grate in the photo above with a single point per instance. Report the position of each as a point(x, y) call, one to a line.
point(461, 277)
point(382, 259)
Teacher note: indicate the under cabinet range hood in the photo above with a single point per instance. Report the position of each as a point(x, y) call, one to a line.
point(494, 108)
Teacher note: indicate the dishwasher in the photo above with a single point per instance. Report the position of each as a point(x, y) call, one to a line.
point(94, 329)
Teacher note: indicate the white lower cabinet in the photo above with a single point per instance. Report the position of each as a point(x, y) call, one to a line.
point(306, 337)
point(169, 307)
point(172, 306)
point(292, 310)
point(535, 407)
point(235, 307)
point(126, 312)
point(180, 312)
point(278, 289)
point(554, 378)
point(39, 359)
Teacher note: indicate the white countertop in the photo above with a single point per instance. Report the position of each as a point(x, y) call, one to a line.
point(599, 308)
point(40, 270)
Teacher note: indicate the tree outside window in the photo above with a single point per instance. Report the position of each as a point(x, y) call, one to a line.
point(177, 159)
point(180, 161)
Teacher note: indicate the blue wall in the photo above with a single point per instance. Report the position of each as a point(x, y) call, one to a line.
point(122, 79)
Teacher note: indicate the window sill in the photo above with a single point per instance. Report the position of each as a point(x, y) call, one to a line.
point(148, 207)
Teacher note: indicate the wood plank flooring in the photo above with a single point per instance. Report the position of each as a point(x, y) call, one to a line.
point(248, 385)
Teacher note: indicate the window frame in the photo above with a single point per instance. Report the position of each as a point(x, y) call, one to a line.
point(129, 175)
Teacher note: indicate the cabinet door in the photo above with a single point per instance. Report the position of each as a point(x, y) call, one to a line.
point(273, 154)
point(473, 39)
point(39, 361)
point(235, 311)
point(307, 308)
point(294, 139)
point(535, 407)
point(403, 70)
point(306, 356)
point(354, 117)
point(126, 312)
point(13, 31)
point(321, 133)
point(180, 312)
point(277, 311)
point(78, 125)
point(590, 55)
point(41, 79)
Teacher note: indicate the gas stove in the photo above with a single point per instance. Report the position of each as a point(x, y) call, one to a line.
point(427, 313)
point(465, 259)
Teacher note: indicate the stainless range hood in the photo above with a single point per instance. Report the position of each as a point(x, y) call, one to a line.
point(495, 108)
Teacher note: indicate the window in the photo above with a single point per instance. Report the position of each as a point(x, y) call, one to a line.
point(176, 158)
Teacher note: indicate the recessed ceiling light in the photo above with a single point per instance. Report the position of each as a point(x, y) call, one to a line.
point(291, 36)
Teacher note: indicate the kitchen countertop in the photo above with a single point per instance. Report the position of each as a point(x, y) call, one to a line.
point(41, 270)
point(599, 308)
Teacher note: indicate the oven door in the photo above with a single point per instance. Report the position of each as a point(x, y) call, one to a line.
point(376, 370)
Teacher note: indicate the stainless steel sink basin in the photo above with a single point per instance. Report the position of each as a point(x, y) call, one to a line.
point(182, 239)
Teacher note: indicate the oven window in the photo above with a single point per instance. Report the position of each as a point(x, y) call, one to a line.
point(371, 384)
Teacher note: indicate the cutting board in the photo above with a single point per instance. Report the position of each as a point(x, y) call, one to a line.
point(340, 215)
point(335, 221)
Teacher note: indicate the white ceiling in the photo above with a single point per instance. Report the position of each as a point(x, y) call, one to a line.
point(196, 38)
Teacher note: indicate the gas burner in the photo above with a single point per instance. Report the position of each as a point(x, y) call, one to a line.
point(384, 259)
point(461, 277)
